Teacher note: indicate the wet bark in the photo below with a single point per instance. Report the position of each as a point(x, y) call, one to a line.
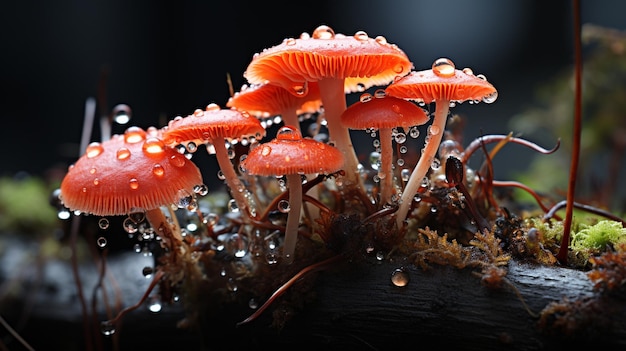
point(355, 306)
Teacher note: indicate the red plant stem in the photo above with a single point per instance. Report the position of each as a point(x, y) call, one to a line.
point(598, 211)
point(157, 278)
point(486, 139)
point(569, 208)
point(510, 183)
point(281, 290)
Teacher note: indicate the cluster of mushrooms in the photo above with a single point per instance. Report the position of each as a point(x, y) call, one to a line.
point(294, 184)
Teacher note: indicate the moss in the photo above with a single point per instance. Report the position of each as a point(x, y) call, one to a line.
point(25, 206)
point(598, 237)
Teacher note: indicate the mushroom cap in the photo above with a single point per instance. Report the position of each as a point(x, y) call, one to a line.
point(383, 111)
point(266, 100)
point(360, 60)
point(128, 173)
point(443, 82)
point(290, 153)
point(213, 122)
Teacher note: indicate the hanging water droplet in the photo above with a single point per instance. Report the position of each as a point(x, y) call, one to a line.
point(400, 277)
point(490, 98)
point(107, 328)
point(184, 198)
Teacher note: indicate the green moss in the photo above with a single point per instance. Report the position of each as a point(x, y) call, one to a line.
point(25, 206)
point(599, 237)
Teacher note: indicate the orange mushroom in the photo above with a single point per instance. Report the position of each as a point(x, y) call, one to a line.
point(267, 100)
point(340, 64)
point(131, 173)
point(214, 127)
point(443, 84)
point(384, 113)
point(291, 155)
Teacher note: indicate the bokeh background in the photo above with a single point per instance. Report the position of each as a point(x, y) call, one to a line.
point(165, 59)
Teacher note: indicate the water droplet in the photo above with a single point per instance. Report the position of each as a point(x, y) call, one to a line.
point(134, 135)
point(323, 32)
point(137, 215)
point(133, 183)
point(300, 89)
point(283, 206)
point(153, 146)
point(101, 242)
point(154, 304)
point(107, 328)
point(490, 98)
point(288, 133)
point(178, 160)
point(444, 68)
point(365, 97)
point(253, 303)
point(129, 226)
point(185, 198)
point(400, 277)
point(201, 189)
point(122, 153)
point(400, 138)
point(94, 149)
point(158, 170)
point(434, 130)
point(147, 271)
point(103, 223)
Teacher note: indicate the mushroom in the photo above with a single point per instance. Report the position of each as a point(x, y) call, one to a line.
point(384, 113)
point(340, 64)
point(445, 85)
point(291, 155)
point(267, 100)
point(131, 173)
point(214, 127)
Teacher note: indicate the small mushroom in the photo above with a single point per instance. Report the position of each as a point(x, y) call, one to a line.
point(214, 127)
point(291, 155)
point(384, 113)
point(131, 173)
point(340, 64)
point(267, 100)
point(443, 84)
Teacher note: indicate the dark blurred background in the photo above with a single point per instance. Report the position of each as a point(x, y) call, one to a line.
point(168, 58)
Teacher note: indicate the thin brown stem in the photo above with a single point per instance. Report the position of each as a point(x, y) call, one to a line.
point(486, 139)
point(591, 209)
point(281, 290)
point(576, 135)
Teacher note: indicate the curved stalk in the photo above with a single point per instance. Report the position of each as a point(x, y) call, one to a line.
point(433, 139)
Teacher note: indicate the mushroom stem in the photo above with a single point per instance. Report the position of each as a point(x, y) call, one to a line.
point(386, 165)
point(161, 225)
point(231, 178)
point(289, 117)
point(334, 102)
point(433, 139)
point(293, 217)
